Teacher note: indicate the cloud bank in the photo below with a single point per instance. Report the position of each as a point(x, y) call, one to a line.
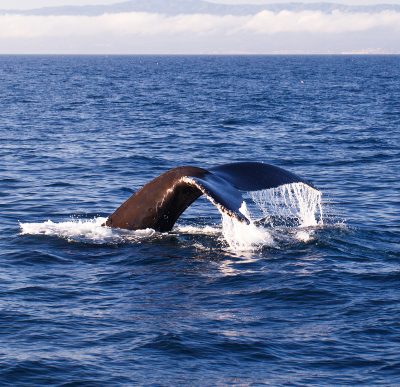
point(283, 31)
point(154, 24)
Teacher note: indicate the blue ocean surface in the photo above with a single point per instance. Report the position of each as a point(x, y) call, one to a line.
point(308, 304)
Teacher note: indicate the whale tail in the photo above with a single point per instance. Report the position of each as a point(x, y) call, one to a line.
point(160, 202)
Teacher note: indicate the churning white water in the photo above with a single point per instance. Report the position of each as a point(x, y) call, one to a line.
point(85, 230)
point(295, 206)
point(242, 236)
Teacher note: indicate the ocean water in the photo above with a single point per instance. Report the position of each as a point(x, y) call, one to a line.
point(210, 303)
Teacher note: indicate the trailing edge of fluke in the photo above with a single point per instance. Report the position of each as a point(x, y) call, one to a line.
point(159, 203)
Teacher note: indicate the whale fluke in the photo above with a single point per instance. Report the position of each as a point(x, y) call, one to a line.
point(159, 203)
point(253, 176)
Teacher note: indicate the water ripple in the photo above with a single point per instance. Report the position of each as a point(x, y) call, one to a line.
point(81, 304)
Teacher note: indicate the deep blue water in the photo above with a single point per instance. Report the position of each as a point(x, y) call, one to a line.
point(80, 134)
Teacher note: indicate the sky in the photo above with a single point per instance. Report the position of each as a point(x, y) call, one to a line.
point(30, 4)
point(288, 31)
point(349, 2)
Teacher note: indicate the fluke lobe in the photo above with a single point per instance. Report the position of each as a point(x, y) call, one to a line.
point(161, 202)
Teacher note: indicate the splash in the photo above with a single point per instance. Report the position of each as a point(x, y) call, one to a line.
point(289, 210)
point(290, 205)
point(85, 230)
point(244, 237)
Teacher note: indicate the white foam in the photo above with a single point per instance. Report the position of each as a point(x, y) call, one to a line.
point(244, 237)
point(303, 236)
point(202, 230)
point(85, 230)
point(295, 206)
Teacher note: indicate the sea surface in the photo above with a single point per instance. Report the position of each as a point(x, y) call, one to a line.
point(280, 304)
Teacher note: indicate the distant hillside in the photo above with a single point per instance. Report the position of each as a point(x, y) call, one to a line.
point(174, 7)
